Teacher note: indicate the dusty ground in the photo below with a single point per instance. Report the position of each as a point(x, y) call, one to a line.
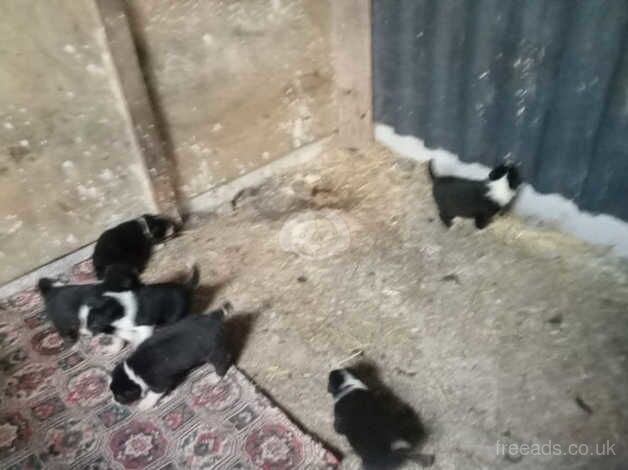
point(513, 334)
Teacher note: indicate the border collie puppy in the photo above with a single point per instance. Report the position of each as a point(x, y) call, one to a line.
point(374, 431)
point(132, 315)
point(131, 242)
point(479, 200)
point(63, 301)
point(163, 361)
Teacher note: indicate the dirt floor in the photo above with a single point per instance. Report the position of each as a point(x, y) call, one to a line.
point(515, 334)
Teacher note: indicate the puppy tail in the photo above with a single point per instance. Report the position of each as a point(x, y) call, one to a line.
point(430, 170)
point(194, 279)
point(44, 285)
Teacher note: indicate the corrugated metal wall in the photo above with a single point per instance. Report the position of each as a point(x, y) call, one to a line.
point(542, 81)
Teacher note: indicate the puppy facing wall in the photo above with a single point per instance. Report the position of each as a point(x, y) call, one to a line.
point(63, 302)
point(131, 242)
point(163, 361)
point(479, 200)
point(132, 315)
point(383, 438)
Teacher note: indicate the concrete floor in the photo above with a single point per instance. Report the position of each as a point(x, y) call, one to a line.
point(492, 336)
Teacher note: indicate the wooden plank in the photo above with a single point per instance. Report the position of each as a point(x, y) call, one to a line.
point(351, 42)
point(144, 122)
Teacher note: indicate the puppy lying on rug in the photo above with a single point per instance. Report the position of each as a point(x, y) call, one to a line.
point(131, 242)
point(63, 302)
point(163, 361)
point(132, 315)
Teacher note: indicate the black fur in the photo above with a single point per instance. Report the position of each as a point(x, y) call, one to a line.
point(63, 302)
point(164, 360)
point(128, 243)
point(372, 426)
point(158, 305)
point(460, 197)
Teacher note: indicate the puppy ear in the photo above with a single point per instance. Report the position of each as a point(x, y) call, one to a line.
point(335, 381)
point(514, 178)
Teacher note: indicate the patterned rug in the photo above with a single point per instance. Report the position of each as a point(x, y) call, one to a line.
point(56, 410)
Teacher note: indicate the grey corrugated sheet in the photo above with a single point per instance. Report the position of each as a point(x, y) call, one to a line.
point(542, 81)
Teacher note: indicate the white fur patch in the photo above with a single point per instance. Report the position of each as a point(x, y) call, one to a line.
point(129, 302)
point(400, 444)
point(83, 314)
point(149, 400)
point(135, 378)
point(142, 333)
point(349, 384)
point(500, 191)
point(136, 335)
point(126, 327)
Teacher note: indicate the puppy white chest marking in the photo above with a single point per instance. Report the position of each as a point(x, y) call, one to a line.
point(500, 191)
point(129, 303)
point(135, 378)
point(149, 398)
point(349, 385)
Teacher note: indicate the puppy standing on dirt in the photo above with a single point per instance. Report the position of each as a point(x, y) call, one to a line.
point(63, 302)
point(479, 200)
point(132, 315)
point(378, 435)
point(131, 242)
point(163, 361)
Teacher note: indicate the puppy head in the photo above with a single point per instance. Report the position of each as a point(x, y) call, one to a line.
point(121, 277)
point(160, 227)
point(124, 390)
point(342, 381)
point(102, 312)
point(509, 171)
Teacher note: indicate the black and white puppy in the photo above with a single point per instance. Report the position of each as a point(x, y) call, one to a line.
point(132, 315)
point(377, 434)
point(131, 242)
point(163, 361)
point(478, 200)
point(63, 301)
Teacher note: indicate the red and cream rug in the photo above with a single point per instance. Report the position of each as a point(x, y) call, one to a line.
point(56, 410)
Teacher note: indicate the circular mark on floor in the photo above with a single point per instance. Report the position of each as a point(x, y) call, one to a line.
point(316, 234)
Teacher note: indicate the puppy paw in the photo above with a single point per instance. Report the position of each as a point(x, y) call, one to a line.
point(110, 350)
point(149, 401)
point(113, 348)
point(144, 405)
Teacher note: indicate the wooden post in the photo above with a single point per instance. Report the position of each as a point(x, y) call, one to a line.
point(143, 122)
point(351, 43)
